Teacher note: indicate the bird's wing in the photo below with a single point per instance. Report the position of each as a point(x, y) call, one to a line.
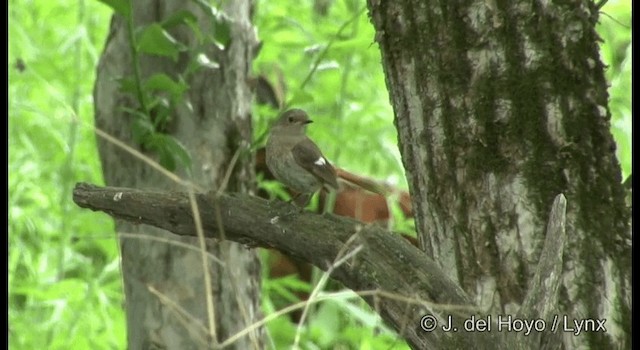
point(308, 156)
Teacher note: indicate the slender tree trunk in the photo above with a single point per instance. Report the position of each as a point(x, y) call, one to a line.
point(166, 298)
point(500, 106)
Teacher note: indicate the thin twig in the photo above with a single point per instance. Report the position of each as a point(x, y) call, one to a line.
point(339, 260)
point(346, 295)
point(211, 315)
point(324, 52)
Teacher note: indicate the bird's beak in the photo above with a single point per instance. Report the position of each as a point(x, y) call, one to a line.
point(308, 121)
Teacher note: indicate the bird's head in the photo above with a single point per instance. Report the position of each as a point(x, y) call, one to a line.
point(293, 121)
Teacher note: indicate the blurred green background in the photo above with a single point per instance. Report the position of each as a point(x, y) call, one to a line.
point(65, 289)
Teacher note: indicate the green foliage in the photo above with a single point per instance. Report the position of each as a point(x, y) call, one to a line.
point(341, 321)
point(65, 288)
point(154, 40)
point(121, 7)
point(154, 110)
point(615, 50)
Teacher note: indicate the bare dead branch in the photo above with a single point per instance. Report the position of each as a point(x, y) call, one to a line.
point(541, 302)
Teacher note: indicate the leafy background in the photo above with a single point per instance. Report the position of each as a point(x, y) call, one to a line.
point(65, 288)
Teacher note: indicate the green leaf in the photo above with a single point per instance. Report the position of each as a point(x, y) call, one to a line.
point(285, 293)
point(207, 8)
point(200, 60)
point(293, 282)
point(179, 152)
point(327, 323)
point(180, 17)
point(156, 142)
point(167, 159)
point(170, 151)
point(154, 40)
point(221, 31)
point(141, 128)
point(221, 27)
point(121, 7)
point(204, 61)
point(127, 84)
point(160, 110)
point(162, 82)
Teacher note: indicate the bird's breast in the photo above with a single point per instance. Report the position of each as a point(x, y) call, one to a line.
point(286, 170)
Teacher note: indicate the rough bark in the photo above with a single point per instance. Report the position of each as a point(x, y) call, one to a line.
point(500, 105)
point(164, 282)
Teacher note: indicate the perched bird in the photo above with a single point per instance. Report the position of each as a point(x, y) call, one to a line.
point(295, 160)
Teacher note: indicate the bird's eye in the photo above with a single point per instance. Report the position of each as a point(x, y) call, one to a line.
point(290, 119)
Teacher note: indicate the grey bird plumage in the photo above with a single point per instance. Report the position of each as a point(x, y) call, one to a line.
point(294, 159)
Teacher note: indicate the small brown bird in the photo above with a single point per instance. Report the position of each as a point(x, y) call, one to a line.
point(295, 160)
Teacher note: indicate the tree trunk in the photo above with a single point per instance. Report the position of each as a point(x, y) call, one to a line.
point(500, 106)
point(164, 281)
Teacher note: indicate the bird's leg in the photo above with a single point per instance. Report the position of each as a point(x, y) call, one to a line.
point(301, 199)
point(298, 202)
point(329, 202)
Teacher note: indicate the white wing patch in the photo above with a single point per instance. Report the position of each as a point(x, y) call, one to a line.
point(320, 162)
